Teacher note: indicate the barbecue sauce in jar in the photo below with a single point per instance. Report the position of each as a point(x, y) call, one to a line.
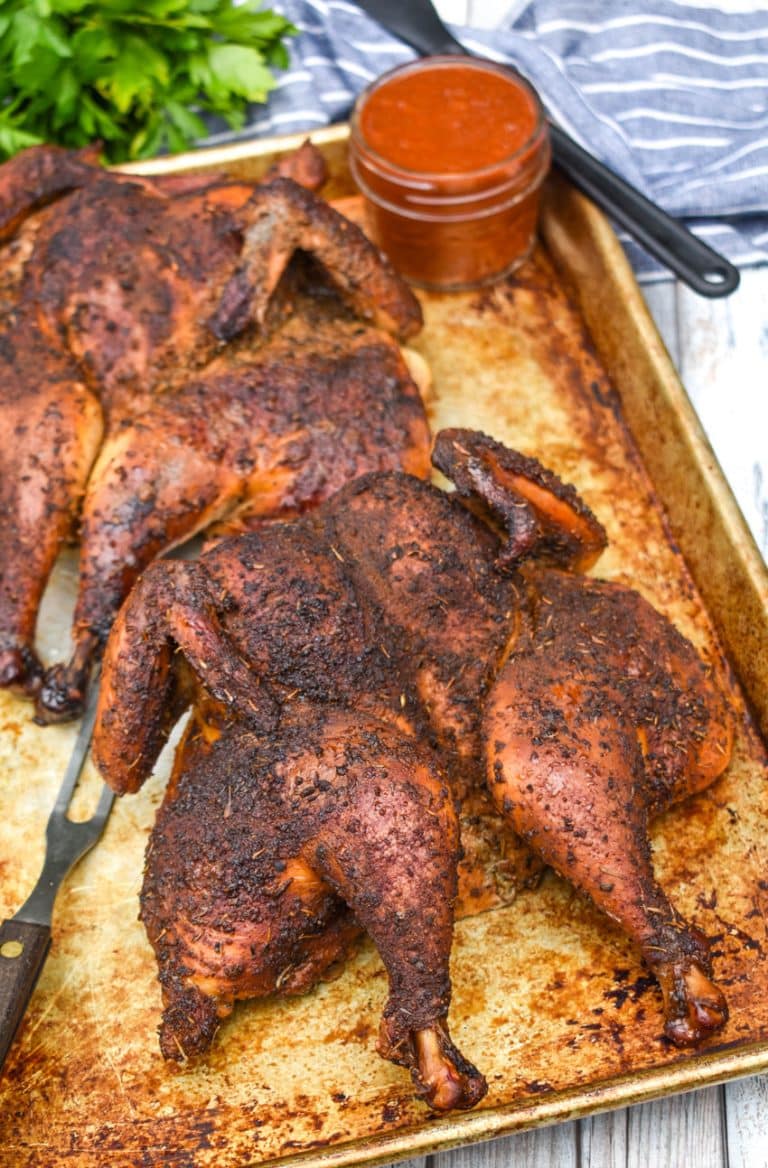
point(449, 154)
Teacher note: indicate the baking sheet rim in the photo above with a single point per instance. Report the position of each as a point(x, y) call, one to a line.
point(473, 1127)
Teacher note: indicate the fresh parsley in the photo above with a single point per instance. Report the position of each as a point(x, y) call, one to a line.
point(136, 76)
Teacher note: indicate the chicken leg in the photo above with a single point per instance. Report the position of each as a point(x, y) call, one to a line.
point(46, 409)
point(337, 811)
point(602, 716)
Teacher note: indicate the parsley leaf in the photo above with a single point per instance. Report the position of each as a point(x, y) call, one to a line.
point(138, 74)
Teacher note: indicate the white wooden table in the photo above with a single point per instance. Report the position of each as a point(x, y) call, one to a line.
point(720, 349)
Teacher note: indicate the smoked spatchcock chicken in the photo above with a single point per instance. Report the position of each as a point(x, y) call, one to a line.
point(162, 369)
point(350, 671)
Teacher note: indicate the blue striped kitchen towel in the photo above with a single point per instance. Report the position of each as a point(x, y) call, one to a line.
point(671, 95)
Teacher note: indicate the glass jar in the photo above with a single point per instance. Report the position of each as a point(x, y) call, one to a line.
point(449, 154)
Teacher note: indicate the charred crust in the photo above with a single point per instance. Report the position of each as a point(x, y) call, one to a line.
point(538, 515)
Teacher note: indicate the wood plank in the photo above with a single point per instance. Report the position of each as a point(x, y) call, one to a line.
point(547, 1147)
point(661, 299)
point(723, 362)
point(746, 1118)
point(682, 1130)
point(603, 1140)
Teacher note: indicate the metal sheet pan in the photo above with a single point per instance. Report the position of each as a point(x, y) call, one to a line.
point(550, 1000)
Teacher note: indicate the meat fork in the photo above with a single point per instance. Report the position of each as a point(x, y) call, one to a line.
point(26, 937)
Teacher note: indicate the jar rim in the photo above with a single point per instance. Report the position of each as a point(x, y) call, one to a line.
point(447, 60)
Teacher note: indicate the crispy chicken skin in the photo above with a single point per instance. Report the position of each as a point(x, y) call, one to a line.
point(368, 657)
point(159, 374)
point(37, 177)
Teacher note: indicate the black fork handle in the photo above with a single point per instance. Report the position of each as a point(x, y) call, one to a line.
point(698, 265)
point(23, 949)
point(667, 239)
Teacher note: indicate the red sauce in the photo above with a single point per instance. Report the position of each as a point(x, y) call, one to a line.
point(449, 154)
point(450, 117)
